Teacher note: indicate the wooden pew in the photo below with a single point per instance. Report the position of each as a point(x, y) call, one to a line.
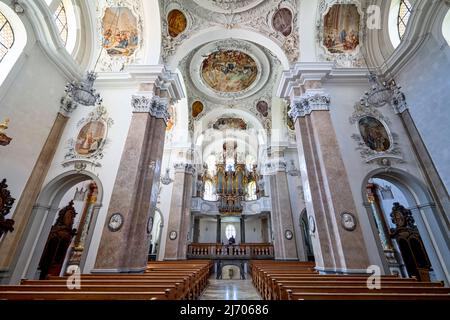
point(76, 295)
point(366, 296)
point(161, 281)
point(298, 280)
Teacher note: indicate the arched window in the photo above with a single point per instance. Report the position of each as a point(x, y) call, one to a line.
point(13, 39)
point(399, 15)
point(446, 27)
point(61, 22)
point(6, 36)
point(404, 13)
point(230, 231)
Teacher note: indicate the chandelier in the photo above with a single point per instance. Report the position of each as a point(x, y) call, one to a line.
point(380, 93)
point(82, 92)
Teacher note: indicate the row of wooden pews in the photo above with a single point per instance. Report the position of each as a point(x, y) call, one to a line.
point(276, 280)
point(168, 280)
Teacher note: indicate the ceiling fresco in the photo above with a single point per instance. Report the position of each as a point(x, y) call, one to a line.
point(229, 71)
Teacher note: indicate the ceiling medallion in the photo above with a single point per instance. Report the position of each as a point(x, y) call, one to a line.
point(229, 71)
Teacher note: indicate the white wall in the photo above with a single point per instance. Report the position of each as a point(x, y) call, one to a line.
point(426, 83)
point(118, 104)
point(208, 230)
point(253, 230)
point(32, 105)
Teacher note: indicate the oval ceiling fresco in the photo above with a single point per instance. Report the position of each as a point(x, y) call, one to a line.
point(229, 71)
point(176, 23)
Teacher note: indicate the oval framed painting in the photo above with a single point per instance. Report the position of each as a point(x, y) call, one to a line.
point(282, 21)
point(176, 23)
point(197, 108)
point(229, 71)
point(263, 108)
point(91, 138)
point(374, 134)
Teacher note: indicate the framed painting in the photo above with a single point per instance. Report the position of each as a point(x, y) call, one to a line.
point(120, 31)
point(91, 138)
point(176, 23)
point(374, 134)
point(229, 71)
point(282, 21)
point(341, 28)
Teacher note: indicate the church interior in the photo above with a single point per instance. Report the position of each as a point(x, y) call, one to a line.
point(224, 150)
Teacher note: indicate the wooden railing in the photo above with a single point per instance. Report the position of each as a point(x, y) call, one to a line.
point(241, 251)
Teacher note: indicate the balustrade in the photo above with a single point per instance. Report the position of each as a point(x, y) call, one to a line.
point(220, 251)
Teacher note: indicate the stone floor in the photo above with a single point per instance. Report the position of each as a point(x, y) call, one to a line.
point(230, 290)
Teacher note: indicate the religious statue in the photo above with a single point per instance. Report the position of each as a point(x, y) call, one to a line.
point(58, 242)
point(6, 203)
point(4, 139)
point(410, 243)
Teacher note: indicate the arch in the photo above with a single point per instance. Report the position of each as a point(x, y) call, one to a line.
point(220, 33)
point(245, 114)
point(44, 213)
point(16, 48)
point(432, 228)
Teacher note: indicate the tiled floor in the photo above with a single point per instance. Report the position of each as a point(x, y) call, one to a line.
point(230, 290)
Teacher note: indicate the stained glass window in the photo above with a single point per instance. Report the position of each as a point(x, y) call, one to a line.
point(61, 22)
point(404, 13)
point(6, 36)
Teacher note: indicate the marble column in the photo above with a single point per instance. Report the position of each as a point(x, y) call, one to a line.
point(264, 230)
point(135, 191)
point(11, 244)
point(196, 230)
point(180, 212)
point(219, 230)
point(282, 221)
point(242, 229)
point(338, 246)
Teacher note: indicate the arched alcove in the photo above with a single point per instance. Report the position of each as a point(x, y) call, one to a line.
point(431, 227)
point(44, 213)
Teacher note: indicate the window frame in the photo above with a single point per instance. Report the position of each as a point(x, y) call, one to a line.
point(8, 49)
point(56, 16)
point(403, 19)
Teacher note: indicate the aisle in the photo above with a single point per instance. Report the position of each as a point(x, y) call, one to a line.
point(230, 290)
